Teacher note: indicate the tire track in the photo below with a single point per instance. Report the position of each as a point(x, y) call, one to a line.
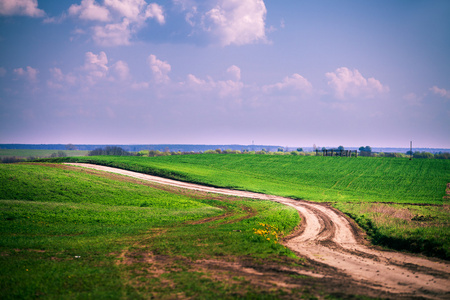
point(329, 238)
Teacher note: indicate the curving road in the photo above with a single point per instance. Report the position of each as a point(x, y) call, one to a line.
point(330, 238)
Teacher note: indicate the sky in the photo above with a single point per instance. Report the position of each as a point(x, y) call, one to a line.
point(289, 73)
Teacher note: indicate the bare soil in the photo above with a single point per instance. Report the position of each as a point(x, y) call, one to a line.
point(337, 250)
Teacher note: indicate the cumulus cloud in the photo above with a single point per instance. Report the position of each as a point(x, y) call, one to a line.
point(223, 88)
point(90, 10)
point(96, 69)
point(154, 11)
point(235, 72)
point(28, 73)
point(160, 69)
point(441, 92)
point(226, 22)
point(295, 82)
point(60, 80)
point(96, 66)
point(237, 22)
point(126, 8)
point(122, 70)
point(123, 18)
point(113, 34)
point(20, 7)
point(350, 84)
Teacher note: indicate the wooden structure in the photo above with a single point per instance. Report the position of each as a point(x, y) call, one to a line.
point(337, 152)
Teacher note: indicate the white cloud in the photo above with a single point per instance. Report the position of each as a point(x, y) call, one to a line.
point(223, 88)
point(122, 70)
point(154, 11)
point(235, 72)
point(96, 69)
point(159, 68)
point(136, 10)
point(55, 20)
point(413, 99)
point(295, 82)
point(126, 8)
point(350, 84)
point(96, 66)
point(94, 62)
point(28, 73)
point(441, 92)
point(237, 22)
point(20, 7)
point(60, 79)
point(113, 34)
point(90, 10)
point(123, 17)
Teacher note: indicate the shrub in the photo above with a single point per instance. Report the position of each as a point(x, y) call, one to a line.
point(59, 154)
point(423, 154)
point(117, 151)
point(444, 155)
point(210, 152)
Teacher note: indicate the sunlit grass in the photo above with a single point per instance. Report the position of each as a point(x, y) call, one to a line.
point(64, 234)
point(362, 179)
point(338, 180)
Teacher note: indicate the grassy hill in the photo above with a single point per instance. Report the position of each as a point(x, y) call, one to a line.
point(68, 234)
point(324, 179)
point(402, 204)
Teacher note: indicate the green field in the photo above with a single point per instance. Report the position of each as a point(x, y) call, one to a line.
point(323, 179)
point(417, 219)
point(67, 233)
point(25, 153)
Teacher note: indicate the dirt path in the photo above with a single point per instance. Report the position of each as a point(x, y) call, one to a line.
point(328, 237)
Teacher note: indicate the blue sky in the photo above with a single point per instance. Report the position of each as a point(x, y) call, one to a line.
point(291, 73)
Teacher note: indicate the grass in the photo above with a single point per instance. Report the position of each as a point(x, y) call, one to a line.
point(350, 184)
point(67, 233)
point(322, 179)
point(419, 229)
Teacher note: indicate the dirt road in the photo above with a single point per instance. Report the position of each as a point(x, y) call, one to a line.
point(330, 238)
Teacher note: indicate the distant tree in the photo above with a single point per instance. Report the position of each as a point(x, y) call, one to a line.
point(299, 149)
point(441, 155)
point(117, 151)
point(71, 147)
point(365, 151)
point(280, 149)
point(341, 148)
point(95, 152)
point(423, 154)
point(59, 154)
